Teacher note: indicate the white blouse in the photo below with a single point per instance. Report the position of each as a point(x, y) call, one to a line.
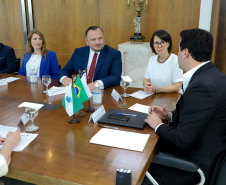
point(164, 74)
point(34, 61)
point(3, 166)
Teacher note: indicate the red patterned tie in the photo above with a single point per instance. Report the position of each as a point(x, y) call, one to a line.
point(92, 68)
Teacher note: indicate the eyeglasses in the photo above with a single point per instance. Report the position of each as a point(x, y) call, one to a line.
point(156, 44)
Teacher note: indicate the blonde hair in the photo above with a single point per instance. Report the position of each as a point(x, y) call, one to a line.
point(30, 49)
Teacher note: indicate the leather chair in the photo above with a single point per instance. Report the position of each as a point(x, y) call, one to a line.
point(218, 174)
point(17, 66)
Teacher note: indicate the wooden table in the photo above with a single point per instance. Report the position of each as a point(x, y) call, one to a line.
point(61, 153)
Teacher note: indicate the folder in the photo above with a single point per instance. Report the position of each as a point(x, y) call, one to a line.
point(134, 121)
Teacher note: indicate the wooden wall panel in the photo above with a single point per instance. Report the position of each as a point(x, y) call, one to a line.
point(11, 31)
point(64, 22)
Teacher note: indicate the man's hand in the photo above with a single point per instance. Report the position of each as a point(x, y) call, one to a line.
point(91, 86)
point(162, 113)
point(66, 81)
point(149, 88)
point(153, 120)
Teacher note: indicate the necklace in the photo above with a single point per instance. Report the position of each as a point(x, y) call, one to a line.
point(163, 60)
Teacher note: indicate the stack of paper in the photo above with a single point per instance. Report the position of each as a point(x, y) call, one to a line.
point(120, 139)
point(56, 90)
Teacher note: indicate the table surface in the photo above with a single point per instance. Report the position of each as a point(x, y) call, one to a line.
point(61, 153)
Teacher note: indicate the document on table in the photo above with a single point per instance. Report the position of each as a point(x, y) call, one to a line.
point(26, 138)
point(35, 106)
point(140, 94)
point(139, 108)
point(120, 139)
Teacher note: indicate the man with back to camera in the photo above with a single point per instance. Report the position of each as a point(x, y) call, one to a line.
point(196, 129)
point(103, 63)
point(7, 59)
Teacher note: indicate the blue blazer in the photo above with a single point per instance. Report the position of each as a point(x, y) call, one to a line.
point(108, 68)
point(7, 59)
point(49, 65)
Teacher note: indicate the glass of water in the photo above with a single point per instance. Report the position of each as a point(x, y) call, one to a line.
point(31, 114)
point(124, 85)
point(46, 80)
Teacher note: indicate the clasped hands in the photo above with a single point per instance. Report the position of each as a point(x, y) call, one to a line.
point(149, 88)
point(156, 114)
point(66, 81)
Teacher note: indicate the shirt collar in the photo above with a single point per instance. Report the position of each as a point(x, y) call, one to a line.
point(92, 52)
point(189, 74)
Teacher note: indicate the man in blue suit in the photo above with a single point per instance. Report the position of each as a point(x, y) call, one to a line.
point(7, 59)
point(104, 67)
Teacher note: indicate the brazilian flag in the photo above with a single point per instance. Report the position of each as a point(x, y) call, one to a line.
point(80, 91)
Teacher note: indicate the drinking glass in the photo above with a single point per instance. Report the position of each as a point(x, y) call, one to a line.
point(31, 114)
point(124, 84)
point(46, 80)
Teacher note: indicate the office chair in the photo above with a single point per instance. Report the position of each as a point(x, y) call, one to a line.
point(17, 66)
point(60, 67)
point(170, 160)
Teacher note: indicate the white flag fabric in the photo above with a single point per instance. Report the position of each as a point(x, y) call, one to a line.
point(83, 79)
point(71, 102)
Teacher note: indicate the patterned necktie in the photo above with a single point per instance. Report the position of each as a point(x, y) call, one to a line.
point(92, 68)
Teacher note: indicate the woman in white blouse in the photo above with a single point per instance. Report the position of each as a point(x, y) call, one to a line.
point(163, 73)
point(10, 142)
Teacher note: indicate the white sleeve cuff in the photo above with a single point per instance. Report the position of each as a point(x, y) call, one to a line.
point(158, 126)
point(101, 84)
point(3, 166)
point(61, 79)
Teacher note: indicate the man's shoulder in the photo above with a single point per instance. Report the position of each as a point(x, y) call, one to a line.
point(109, 49)
point(5, 48)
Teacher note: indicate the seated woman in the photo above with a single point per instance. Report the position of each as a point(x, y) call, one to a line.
point(10, 142)
point(39, 57)
point(163, 73)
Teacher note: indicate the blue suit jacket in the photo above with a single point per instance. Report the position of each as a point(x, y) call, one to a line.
point(108, 68)
point(49, 65)
point(7, 59)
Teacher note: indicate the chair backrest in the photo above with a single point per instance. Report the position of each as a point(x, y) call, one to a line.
point(18, 64)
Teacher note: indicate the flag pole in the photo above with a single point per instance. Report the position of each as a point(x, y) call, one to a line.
point(88, 109)
point(73, 119)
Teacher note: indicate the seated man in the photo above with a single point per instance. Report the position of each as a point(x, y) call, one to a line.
point(196, 129)
point(7, 59)
point(103, 63)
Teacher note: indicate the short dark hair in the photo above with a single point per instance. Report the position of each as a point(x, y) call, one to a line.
point(163, 35)
point(93, 28)
point(199, 43)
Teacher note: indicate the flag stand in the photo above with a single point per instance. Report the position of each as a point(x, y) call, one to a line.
point(73, 120)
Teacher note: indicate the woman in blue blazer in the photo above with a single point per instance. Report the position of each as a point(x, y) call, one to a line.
point(39, 57)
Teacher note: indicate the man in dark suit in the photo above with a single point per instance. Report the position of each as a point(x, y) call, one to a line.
point(7, 59)
point(103, 63)
point(197, 128)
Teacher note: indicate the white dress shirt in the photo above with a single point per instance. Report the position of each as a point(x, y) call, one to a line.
point(3, 166)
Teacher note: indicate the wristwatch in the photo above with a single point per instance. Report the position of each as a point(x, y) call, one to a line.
point(156, 90)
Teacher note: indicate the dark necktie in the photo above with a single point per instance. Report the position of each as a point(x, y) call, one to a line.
point(92, 68)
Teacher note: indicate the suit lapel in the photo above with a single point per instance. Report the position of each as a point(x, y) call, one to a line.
point(100, 61)
point(42, 66)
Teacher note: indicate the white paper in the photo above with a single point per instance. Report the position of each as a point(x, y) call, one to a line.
point(140, 108)
point(126, 79)
point(35, 106)
point(11, 79)
point(140, 94)
point(56, 90)
point(26, 139)
point(88, 92)
point(116, 95)
point(3, 82)
point(120, 139)
point(97, 114)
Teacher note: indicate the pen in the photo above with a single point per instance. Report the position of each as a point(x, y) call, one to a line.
point(108, 127)
point(127, 114)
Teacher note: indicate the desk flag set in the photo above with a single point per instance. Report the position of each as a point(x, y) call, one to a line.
point(74, 97)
